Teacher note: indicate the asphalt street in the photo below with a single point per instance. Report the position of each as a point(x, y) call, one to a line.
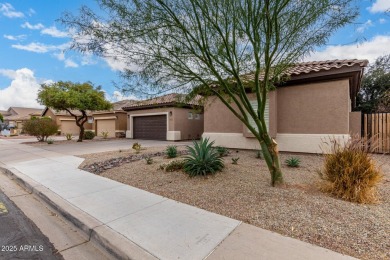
point(20, 238)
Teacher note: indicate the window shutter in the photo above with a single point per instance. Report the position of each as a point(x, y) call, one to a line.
point(266, 113)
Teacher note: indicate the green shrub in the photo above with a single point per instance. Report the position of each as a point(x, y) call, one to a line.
point(235, 160)
point(105, 134)
point(137, 147)
point(41, 128)
point(293, 162)
point(171, 151)
point(149, 160)
point(174, 165)
point(89, 135)
point(349, 173)
point(202, 159)
point(69, 136)
point(222, 151)
point(259, 154)
point(50, 141)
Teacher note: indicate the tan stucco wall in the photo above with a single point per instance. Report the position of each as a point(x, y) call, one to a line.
point(355, 123)
point(219, 119)
point(121, 122)
point(318, 108)
point(189, 128)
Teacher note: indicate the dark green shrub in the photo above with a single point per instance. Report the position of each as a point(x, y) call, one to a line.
point(41, 128)
point(202, 159)
point(149, 160)
point(222, 151)
point(259, 154)
point(174, 165)
point(171, 151)
point(293, 162)
point(89, 135)
point(349, 172)
point(235, 160)
point(50, 141)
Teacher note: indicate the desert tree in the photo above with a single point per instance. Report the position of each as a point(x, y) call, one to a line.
point(220, 48)
point(375, 86)
point(71, 96)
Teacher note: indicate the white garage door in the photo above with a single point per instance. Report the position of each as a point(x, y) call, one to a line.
point(107, 125)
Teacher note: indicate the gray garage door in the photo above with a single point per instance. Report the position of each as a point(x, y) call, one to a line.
point(150, 127)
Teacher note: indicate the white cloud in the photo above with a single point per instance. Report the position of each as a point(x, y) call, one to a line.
point(370, 50)
point(382, 21)
point(54, 32)
point(364, 26)
point(15, 37)
point(380, 6)
point(30, 26)
point(8, 10)
point(118, 96)
point(70, 64)
point(31, 12)
point(22, 91)
point(40, 47)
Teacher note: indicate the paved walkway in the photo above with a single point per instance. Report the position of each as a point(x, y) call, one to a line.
point(132, 223)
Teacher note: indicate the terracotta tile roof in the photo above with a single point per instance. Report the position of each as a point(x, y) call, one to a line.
point(169, 99)
point(22, 113)
point(317, 66)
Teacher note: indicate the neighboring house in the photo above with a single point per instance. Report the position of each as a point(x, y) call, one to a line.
point(66, 122)
point(16, 116)
point(314, 104)
point(114, 121)
point(168, 117)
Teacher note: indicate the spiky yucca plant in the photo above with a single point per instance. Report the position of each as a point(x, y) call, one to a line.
point(202, 159)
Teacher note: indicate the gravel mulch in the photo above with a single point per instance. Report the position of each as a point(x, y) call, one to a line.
point(297, 209)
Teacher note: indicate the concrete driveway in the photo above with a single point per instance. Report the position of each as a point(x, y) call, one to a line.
point(87, 147)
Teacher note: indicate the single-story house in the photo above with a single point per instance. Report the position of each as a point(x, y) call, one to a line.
point(66, 122)
point(169, 117)
point(114, 121)
point(317, 102)
point(16, 116)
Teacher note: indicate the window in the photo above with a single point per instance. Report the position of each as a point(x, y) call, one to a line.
point(197, 116)
point(266, 113)
point(190, 115)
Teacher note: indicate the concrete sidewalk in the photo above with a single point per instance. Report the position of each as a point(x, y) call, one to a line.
point(135, 224)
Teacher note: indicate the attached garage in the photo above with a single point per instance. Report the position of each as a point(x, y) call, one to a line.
point(69, 127)
point(152, 127)
point(105, 125)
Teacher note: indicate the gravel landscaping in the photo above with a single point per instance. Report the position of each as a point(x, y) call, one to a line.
point(297, 209)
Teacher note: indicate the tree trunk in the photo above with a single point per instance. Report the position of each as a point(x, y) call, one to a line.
point(271, 157)
point(81, 135)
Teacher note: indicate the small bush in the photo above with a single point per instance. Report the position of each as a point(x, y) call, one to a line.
point(349, 172)
point(174, 165)
point(105, 134)
point(171, 151)
point(235, 160)
point(50, 141)
point(41, 128)
point(89, 135)
point(202, 159)
point(69, 136)
point(137, 147)
point(222, 151)
point(293, 162)
point(259, 154)
point(149, 160)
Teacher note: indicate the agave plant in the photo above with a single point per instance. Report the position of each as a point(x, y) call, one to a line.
point(202, 159)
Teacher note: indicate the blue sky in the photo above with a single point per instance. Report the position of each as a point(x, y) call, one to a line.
point(34, 47)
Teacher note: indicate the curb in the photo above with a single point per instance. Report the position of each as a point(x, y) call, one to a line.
point(115, 244)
